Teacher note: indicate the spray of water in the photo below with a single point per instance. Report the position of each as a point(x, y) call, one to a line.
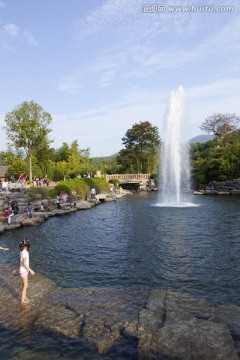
point(174, 156)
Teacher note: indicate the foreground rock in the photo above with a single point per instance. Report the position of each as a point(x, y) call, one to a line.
point(164, 324)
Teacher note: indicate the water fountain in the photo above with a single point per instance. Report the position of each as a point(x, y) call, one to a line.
point(174, 176)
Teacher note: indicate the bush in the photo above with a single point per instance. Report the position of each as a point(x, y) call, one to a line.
point(199, 180)
point(62, 187)
point(100, 184)
point(222, 178)
point(114, 181)
point(80, 187)
point(35, 192)
point(154, 177)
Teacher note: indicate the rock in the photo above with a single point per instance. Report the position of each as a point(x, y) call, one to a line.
point(83, 205)
point(32, 221)
point(230, 315)
point(13, 317)
point(164, 324)
point(228, 187)
point(177, 326)
point(111, 197)
point(211, 192)
point(235, 192)
point(94, 201)
point(101, 197)
point(12, 226)
point(43, 214)
point(182, 339)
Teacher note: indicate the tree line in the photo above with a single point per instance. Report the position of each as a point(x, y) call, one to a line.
point(29, 149)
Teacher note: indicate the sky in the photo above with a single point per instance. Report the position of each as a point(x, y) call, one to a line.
point(101, 66)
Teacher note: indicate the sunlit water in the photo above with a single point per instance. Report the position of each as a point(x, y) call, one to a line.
point(130, 243)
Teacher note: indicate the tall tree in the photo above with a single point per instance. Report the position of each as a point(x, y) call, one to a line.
point(141, 148)
point(27, 128)
point(220, 124)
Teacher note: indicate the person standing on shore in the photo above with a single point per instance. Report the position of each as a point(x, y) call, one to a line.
point(21, 179)
point(93, 193)
point(24, 268)
point(58, 202)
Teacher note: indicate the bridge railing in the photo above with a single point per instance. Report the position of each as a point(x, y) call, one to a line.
point(129, 177)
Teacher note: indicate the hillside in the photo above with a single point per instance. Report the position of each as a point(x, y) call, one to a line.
point(102, 159)
point(201, 139)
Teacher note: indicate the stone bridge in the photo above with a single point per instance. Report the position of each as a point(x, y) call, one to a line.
point(127, 178)
point(131, 181)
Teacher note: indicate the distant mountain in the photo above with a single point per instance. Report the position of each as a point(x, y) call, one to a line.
point(100, 159)
point(201, 139)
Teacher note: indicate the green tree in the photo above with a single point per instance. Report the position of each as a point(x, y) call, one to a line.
point(27, 128)
point(141, 148)
point(217, 159)
point(62, 153)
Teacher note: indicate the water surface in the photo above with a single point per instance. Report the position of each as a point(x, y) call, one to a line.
point(130, 243)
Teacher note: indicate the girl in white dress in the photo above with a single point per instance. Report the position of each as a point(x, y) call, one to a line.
point(24, 268)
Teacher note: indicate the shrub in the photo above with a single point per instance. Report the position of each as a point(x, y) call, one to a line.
point(114, 181)
point(80, 187)
point(35, 192)
point(100, 184)
point(63, 187)
point(222, 177)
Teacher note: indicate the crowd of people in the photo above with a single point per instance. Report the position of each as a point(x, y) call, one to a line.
point(37, 181)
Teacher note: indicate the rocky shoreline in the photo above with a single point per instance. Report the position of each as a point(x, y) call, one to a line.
point(158, 324)
point(50, 206)
point(229, 187)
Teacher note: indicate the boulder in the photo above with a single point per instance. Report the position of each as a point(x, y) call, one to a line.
point(235, 192)
point(83, 205)
point(33, 221)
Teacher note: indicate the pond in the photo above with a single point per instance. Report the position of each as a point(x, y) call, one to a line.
point(130, 243)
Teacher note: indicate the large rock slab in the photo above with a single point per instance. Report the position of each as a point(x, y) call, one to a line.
point(178, 327)
point(13, 316)
point(33, 221)
point(165, 324)
point(100, 315)
point(84, 205)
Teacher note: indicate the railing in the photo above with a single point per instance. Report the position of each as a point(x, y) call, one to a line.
point(129, 177)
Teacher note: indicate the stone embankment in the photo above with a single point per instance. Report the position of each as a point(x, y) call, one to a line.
point(50, 207)
point(230, 187)
point(156, 324)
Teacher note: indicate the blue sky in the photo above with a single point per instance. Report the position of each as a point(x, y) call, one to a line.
point(100, 66)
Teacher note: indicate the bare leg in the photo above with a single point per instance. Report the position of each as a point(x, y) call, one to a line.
point(24, 290)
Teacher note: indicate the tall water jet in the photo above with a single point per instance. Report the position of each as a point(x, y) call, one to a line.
point(174, 158)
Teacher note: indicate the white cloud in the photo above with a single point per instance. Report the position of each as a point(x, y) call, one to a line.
point(148, 43)
point(70, 84)
point(11, 34)
point(30, 38)
point(101, 129)
point(11, 29)
point(110, 12)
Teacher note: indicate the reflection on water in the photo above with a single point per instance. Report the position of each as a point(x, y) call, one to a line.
point(130, 243)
